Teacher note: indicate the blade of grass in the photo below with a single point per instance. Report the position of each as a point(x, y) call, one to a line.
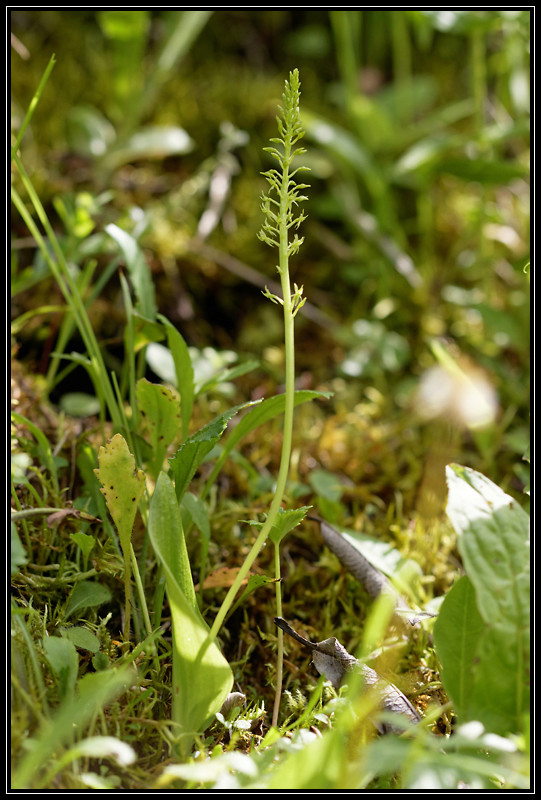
point(33, 104)
point(95, 690)
point(68, 287)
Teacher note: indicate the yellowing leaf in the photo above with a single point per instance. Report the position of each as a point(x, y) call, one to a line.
point(122, 485)
point(159, 407)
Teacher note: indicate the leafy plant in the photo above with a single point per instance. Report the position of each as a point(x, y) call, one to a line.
point(425, 173)
point(282, 216)
point(94, 691)
point(201, 676)
point(55, 258)
point(122, 487)
point(482, 633)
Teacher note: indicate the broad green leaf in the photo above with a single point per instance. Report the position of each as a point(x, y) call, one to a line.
point(184, 371)
point(138, 270)
point(86, 594)
point(63, 660)
point(202, 677)
point(122, 485)
point(499, 694)
point(193, 451)
point(493, 540)
point(160, 409)
point(167, 536)
point(457, 632)
point(82, 638)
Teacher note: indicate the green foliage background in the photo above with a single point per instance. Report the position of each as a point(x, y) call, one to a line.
point(416, 244)
point(417, 131)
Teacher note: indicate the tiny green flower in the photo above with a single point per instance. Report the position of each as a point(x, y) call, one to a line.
point(281, 203)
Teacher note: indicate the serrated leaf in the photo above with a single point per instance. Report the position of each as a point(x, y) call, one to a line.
point(122, 485)
point(193, 451)
point(285, 521)
point(159, 407)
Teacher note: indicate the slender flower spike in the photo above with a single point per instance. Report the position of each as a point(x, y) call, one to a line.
point(283, 217)
point(281, 204)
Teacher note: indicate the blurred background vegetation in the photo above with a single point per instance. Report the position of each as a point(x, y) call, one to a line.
point(415, 266)
point(416, 254)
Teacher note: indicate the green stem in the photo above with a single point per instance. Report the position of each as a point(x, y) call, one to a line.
point(280, 481)
point(289, 338)
point(280, 637)
point(140, 591)
point(33, 103)
point(278, 206)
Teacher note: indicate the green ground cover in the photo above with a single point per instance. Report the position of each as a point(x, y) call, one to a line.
point(173, 431)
